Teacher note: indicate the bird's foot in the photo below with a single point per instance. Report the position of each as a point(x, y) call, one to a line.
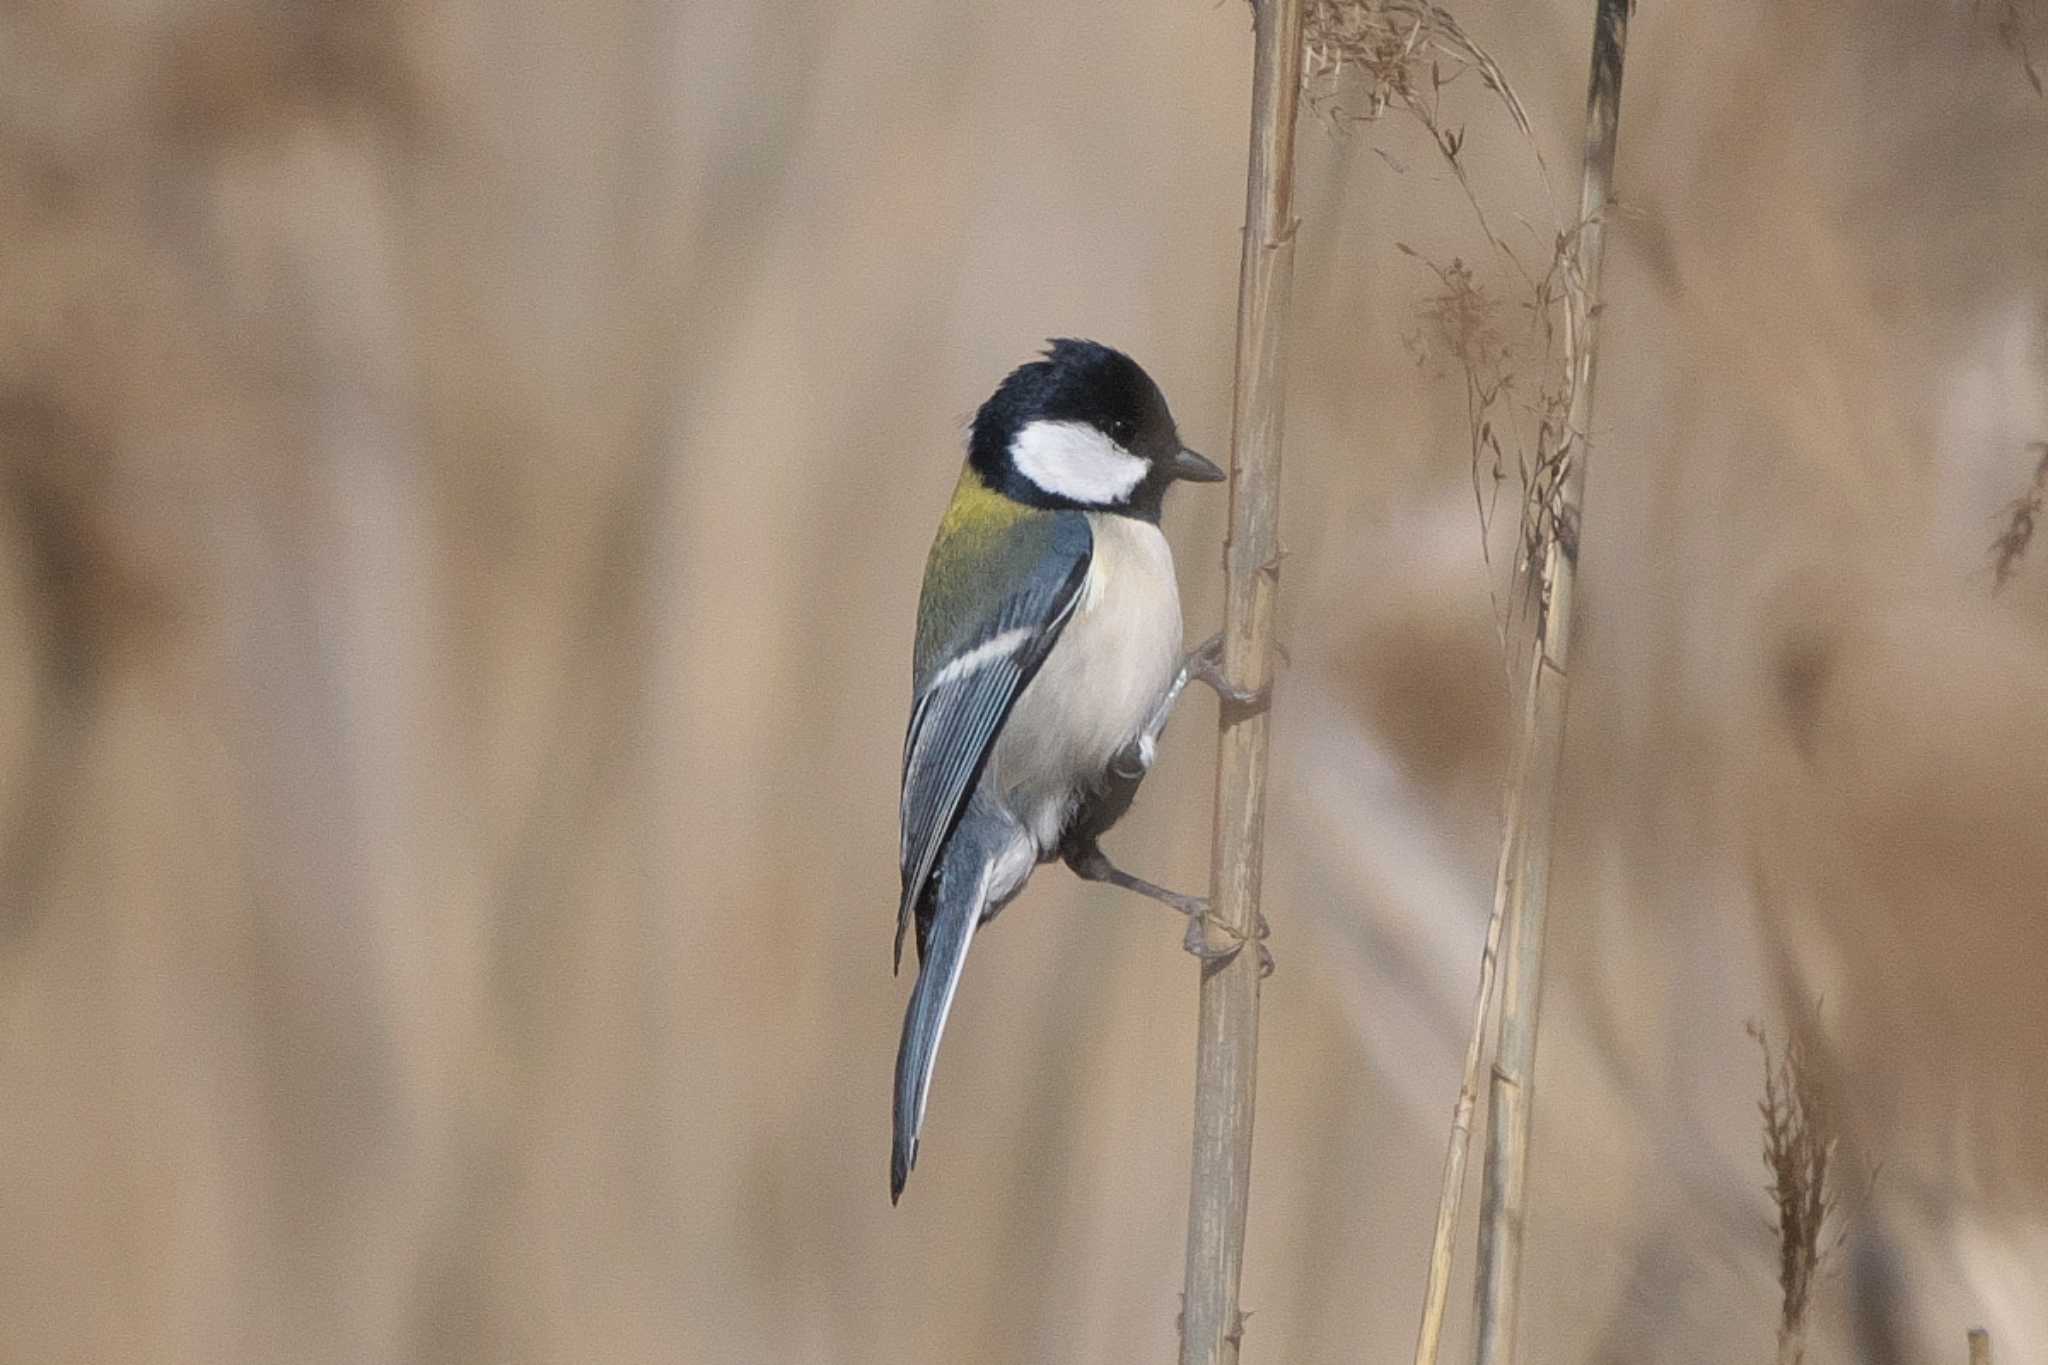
point(1091, 864)
point(1205, 665)
point(1197, 940)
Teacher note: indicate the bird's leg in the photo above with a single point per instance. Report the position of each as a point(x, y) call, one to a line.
point(1131, 763)
point(1205, 664)
point(1090, 863)
point(1136, 758)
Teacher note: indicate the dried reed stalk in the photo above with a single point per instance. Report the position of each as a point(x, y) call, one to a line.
point(1405, 54)
point(1510, 1100)
point(1227, 1045)
point(1436, 1294)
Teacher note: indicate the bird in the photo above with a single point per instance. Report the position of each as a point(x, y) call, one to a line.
point(1046, 661)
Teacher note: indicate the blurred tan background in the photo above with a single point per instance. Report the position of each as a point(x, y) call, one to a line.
point(464, 475)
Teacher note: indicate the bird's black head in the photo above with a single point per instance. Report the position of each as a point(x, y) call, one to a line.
point(1083, 428)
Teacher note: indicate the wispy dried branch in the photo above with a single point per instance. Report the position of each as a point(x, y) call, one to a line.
point(1404, 55)
point(2019, 518)
point(1511, 342)
point(1551, 506)
point(1527, 385)
point(1800, 1137)
point(1393, 44)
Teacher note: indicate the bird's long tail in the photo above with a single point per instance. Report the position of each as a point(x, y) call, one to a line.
point(984, 846)
point(938, 976)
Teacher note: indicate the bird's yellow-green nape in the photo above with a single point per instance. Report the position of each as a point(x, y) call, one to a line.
point(977, 509)
point(987, 547)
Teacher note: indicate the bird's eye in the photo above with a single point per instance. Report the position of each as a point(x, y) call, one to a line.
point(1123, 428)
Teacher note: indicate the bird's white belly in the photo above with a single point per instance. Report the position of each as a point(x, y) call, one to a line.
point(1098, 688)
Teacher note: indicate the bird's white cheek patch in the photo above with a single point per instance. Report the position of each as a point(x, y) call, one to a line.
point(1075, 460)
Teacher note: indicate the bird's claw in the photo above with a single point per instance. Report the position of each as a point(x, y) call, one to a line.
point(1197, 941)
point(1205, 665)
point(1088, 862)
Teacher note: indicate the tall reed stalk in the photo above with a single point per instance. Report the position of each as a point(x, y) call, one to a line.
point(1226, 1063)
point(1527, 842)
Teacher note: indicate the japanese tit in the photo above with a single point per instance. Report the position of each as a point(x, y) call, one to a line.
point(1048, 656)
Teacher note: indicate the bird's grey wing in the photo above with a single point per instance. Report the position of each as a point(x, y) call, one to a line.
point(972, 667)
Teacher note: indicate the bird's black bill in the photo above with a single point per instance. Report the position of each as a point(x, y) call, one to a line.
point(1196, 468)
